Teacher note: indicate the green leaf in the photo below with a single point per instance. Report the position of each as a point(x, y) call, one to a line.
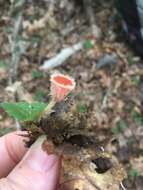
point(130, 60)
point(20, 38)
point(31, 18)
point(3, 64)
point(36, 74)
point(35, 39)
point(81, 108)
point(135, 80)
point(24, 111)
point(87, 44)
point(120, 127)
point(137, 117)
point(115, 130)
point(8, 29)
point(18, 3)
point(133, 173)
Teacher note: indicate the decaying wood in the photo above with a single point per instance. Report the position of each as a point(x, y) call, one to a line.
point(85, 165)
point(60, 58)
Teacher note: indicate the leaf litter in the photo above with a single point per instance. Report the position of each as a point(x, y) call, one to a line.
point(111, 94)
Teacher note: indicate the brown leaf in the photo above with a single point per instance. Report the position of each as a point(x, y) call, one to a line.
point(104, 78)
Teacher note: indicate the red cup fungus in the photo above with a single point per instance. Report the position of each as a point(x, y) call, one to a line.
point(61, 85)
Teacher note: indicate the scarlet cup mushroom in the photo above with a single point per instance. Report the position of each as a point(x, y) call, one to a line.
point(61, 85)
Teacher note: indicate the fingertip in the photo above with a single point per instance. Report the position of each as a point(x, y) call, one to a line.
point(38, 159)
point(53, 176)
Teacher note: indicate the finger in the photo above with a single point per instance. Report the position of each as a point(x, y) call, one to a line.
point(12, 149)
point(37, 171)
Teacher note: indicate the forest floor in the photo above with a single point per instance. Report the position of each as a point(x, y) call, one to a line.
point(112, 91)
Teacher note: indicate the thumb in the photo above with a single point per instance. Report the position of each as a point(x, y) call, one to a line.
point(36, 171)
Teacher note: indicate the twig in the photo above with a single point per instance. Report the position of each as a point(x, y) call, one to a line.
point(122, 186)
point(16, 49)
point(91, 17)
point(105, 99)
point(60, 58)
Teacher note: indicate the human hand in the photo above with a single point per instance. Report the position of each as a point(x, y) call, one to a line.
point(22, 169)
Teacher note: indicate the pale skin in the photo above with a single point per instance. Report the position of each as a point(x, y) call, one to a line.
point(22, 168)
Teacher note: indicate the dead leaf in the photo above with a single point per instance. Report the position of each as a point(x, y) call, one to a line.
point(104, 79)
